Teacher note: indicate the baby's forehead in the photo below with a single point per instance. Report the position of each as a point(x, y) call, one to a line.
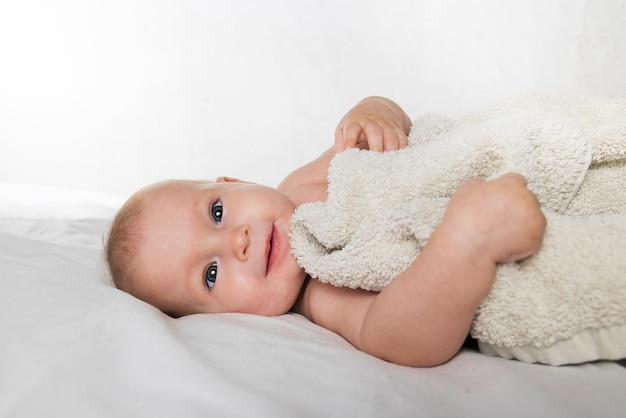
point(167, 188)
point(169, 198)
point(176, 184)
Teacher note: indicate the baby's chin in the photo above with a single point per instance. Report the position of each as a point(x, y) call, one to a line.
point(285, 303)
point(275, 309)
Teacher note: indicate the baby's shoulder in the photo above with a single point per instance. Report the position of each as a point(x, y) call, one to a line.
point(308, 193)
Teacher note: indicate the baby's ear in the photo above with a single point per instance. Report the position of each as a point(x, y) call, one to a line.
point(225, 179)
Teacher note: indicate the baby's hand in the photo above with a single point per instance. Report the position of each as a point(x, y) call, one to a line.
point(500, 219)
point(375, 123)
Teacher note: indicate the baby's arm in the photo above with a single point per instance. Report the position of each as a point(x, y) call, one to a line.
point(424, 315)
point(375, 122)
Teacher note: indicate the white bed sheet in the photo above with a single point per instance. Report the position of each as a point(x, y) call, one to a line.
point(71, 345)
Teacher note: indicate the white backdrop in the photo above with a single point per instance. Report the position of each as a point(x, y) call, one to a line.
point(110, 95)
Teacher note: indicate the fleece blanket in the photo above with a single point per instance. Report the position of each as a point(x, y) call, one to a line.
point(566, 304)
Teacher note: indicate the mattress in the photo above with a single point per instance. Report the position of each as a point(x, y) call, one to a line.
point(72, 345)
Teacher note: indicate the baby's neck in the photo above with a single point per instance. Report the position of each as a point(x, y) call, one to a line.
point(301, 305)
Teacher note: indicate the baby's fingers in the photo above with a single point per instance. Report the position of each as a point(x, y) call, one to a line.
point(385, 137)
point(370, 135)
point(513, 177)
point(347, 136)
point(374, 136)
point(403, 139)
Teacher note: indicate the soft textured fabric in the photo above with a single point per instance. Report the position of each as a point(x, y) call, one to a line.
point(382, 208)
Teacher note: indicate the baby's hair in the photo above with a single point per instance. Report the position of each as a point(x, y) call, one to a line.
point(122, 244)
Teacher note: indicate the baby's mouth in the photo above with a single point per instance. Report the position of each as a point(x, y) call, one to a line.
point(270, 251)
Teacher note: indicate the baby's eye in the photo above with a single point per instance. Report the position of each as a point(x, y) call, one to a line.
point(216, 211)
point(210, 275)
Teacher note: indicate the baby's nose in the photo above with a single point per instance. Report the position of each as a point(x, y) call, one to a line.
point(241, 242)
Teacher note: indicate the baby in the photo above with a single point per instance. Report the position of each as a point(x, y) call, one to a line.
point(223, 246)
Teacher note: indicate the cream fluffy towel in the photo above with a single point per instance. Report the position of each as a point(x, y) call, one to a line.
point(567, 304)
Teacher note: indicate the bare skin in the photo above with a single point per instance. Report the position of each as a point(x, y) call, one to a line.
point(420, 319)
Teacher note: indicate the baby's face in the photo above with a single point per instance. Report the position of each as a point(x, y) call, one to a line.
point(216, 247)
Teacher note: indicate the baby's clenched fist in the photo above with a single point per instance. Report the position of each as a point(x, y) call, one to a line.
point(500, 219)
